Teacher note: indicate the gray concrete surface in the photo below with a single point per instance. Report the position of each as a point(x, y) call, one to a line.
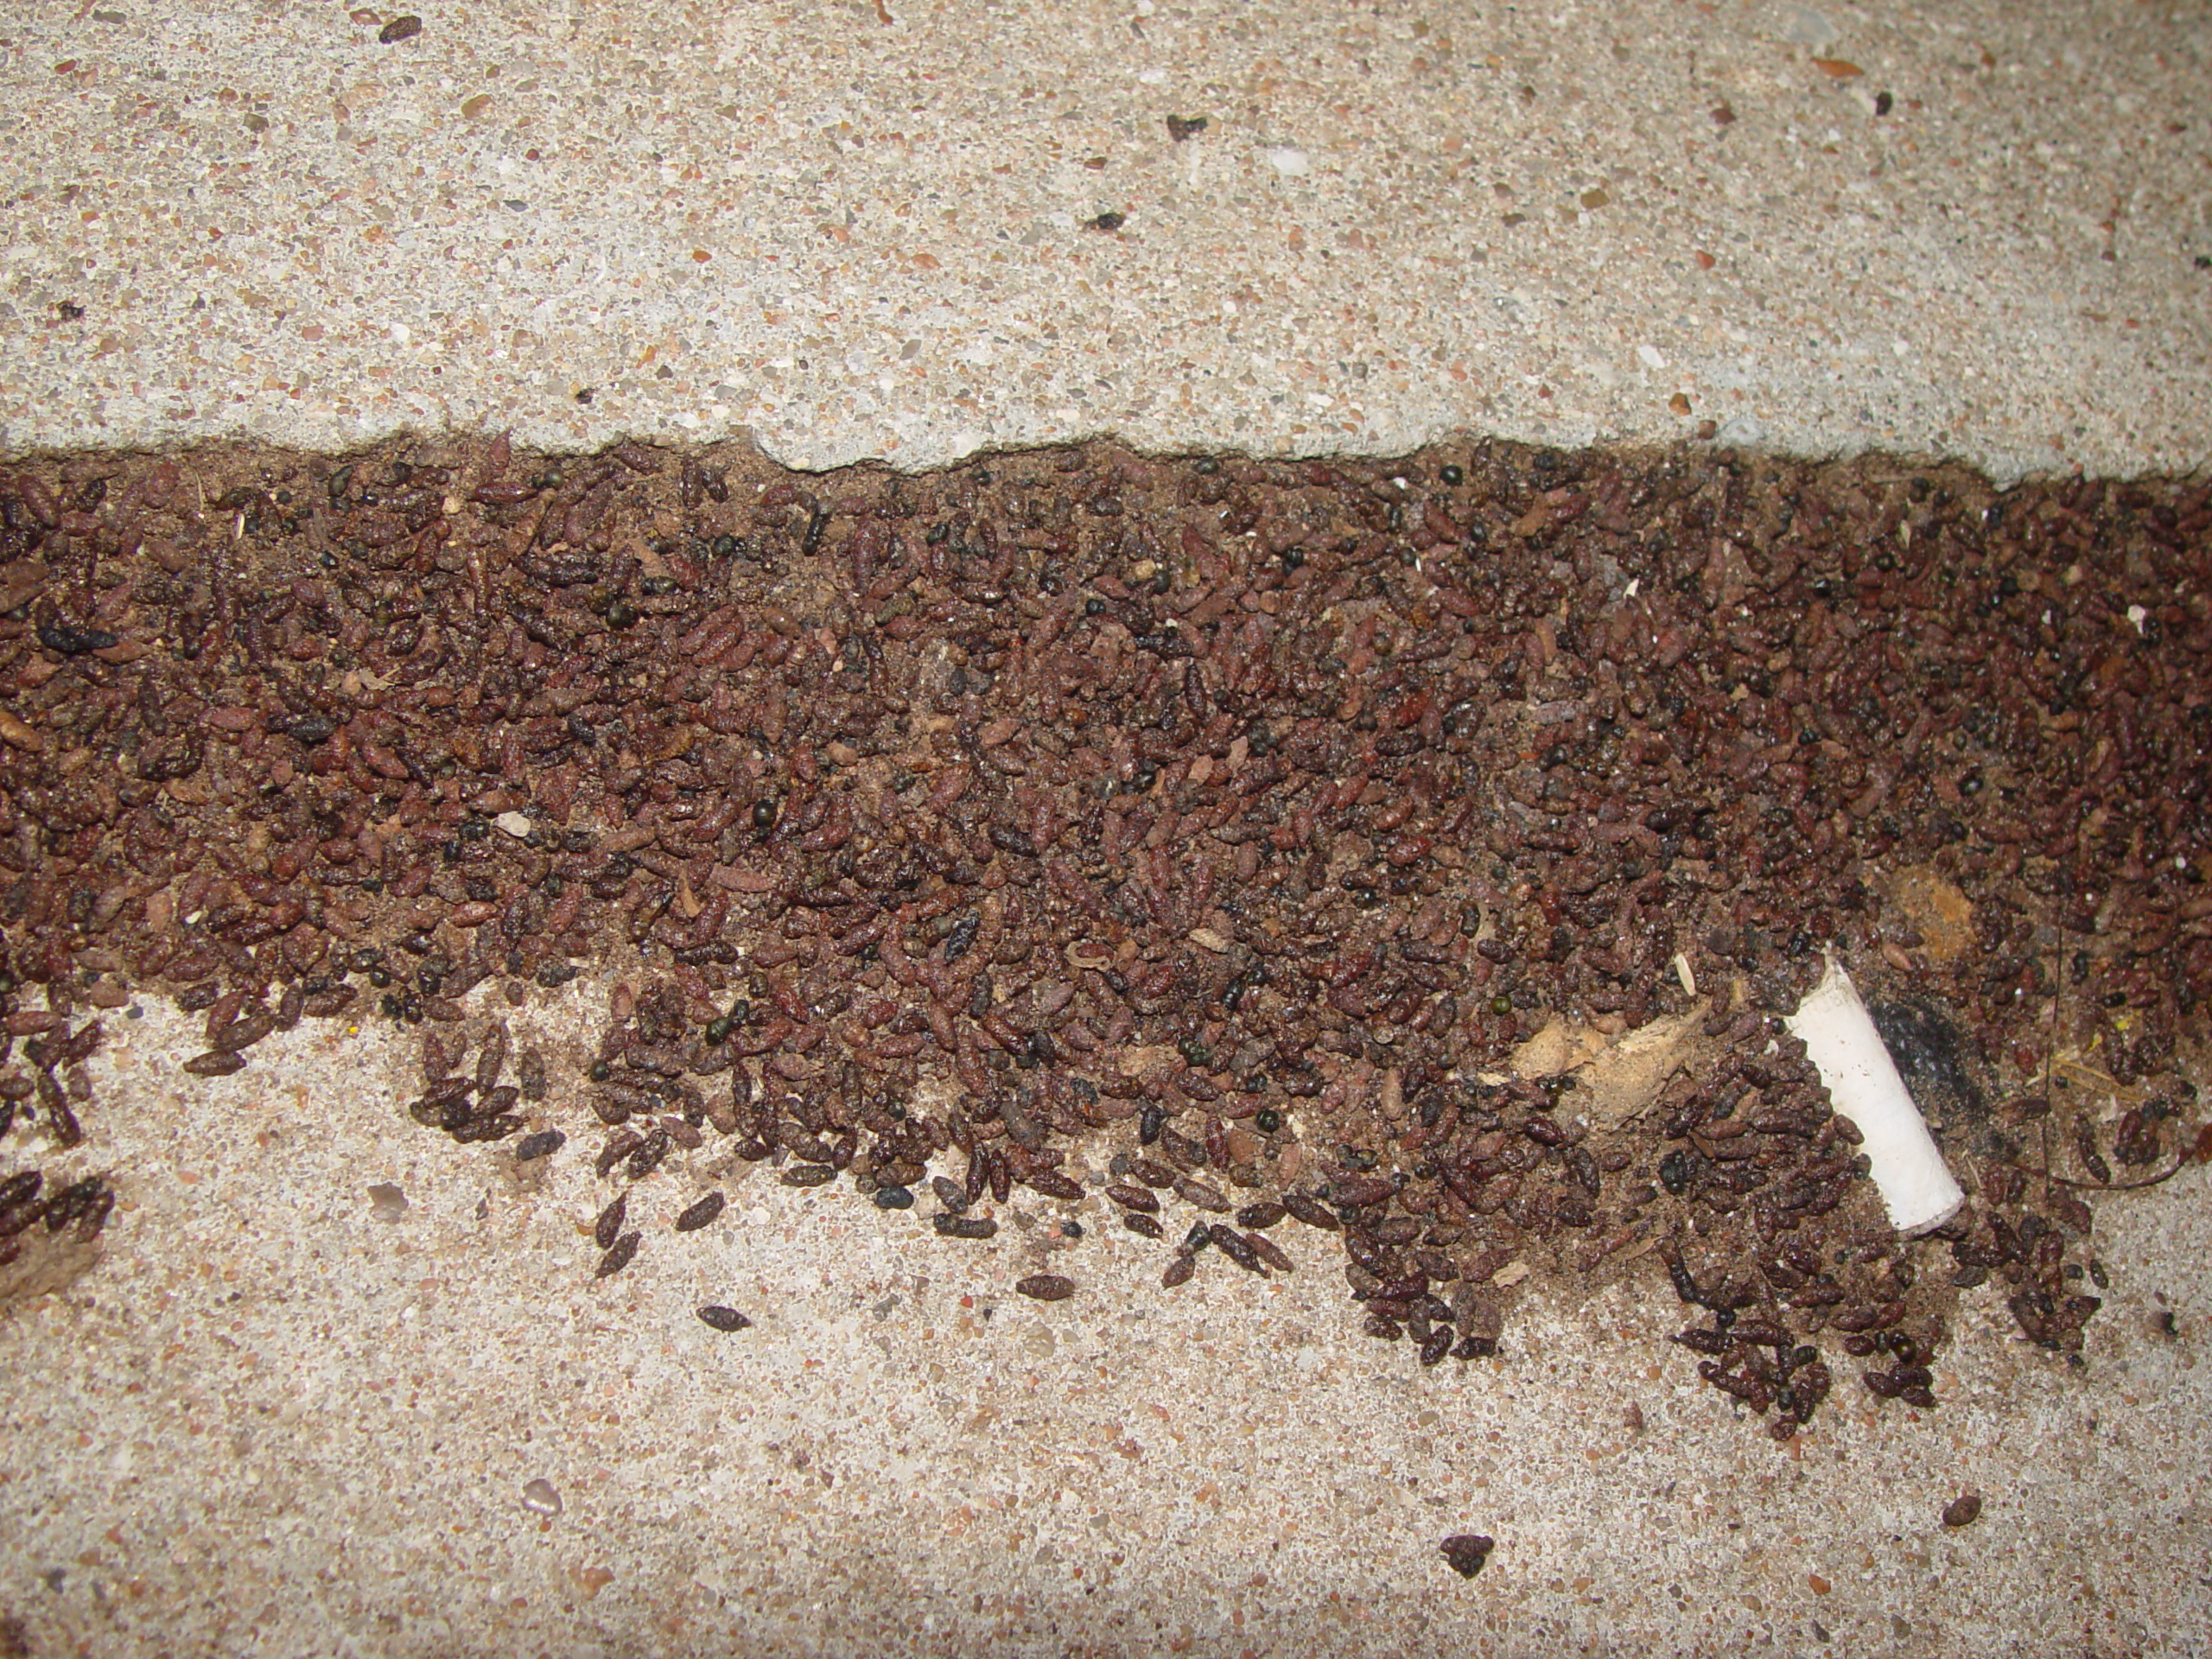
point(271, 1422)
point(274, 1422)
point(859, 238)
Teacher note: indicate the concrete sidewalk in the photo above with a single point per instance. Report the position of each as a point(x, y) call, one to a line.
point(275, 1420)
point(861, 231)
point(281, 1419)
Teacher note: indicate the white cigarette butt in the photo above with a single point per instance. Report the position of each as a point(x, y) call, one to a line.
point(1863, 1083)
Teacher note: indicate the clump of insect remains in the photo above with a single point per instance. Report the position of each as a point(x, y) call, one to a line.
point(47, 1231)
point(1197, 881)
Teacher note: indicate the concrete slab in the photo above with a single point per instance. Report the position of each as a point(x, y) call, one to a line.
point(273, 1422)
point(872, 230)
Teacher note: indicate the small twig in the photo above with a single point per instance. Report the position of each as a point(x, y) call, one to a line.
point(2090, 1072)
point(2049, 1060)
point(2180, 1164)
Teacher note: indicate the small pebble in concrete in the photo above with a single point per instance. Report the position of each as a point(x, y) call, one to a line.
point(542, 1498)
point(1466, 1552)
point(1963, 1511)
point(723, 1318)
point(387, 1202)
point(1046, 1287)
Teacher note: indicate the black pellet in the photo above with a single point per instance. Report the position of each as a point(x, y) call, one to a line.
point(701, 1214)
point(965, 1226)
point(608, 1227)
point(618, 1255)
